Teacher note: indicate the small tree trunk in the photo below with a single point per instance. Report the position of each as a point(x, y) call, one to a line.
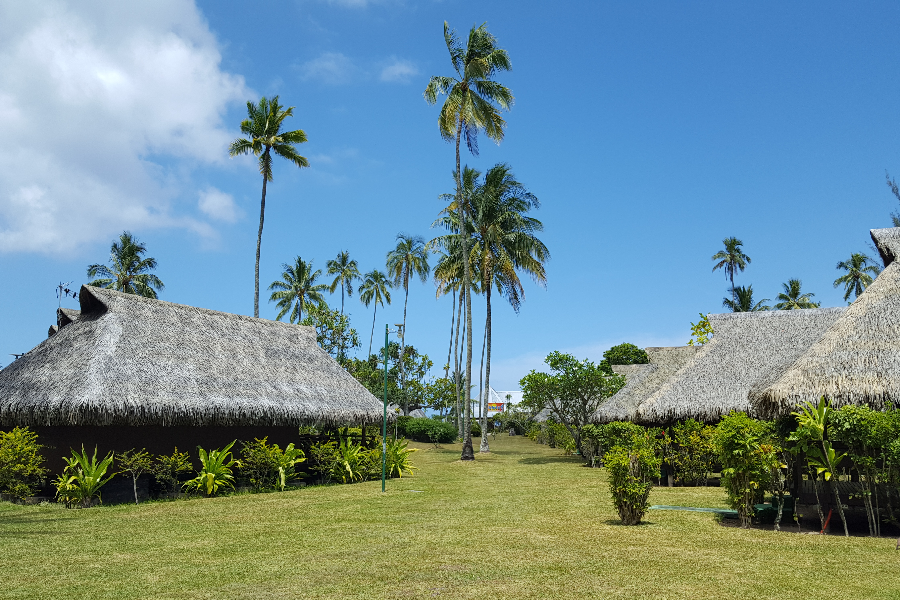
point(134, 478)
point(834, 487)
point(815, 483)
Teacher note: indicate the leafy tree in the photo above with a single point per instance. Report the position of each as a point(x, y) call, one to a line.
point(375, 288)
point(128, 270)
point(573, 391)
point(859, 271)
point(792, 299)
point(623, 354)
point(265, 138)
point(346, 271)
point(408, 259)
point(333, 331)
point(297, 289)
point(135, 463)
point(21, 464)
point(743, 301)
point(747, 458)
point(168, 469)
point(474, 101)
point(701, 332)
point(731, 259)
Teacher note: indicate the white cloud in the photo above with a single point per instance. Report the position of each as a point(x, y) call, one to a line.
point(97, 97)
point(329, 67)
point(218, 205)
point(399, 71)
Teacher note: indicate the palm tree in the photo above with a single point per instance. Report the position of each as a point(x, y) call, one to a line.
point(860, 269)
point(408, 259)
point(474, 101)
point(347, 272)
point(375, 287)
point(296, 289)
point(128, 271)
point(504, 244)
point(731, 258)
point(744, 300)
point(265, 138)
point(792, 299)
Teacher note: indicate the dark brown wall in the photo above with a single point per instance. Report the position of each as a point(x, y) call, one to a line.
point(157, 440)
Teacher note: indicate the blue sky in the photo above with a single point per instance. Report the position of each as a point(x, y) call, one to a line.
point(650, 131)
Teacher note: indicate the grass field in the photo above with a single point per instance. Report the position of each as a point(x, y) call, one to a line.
point(521, 522)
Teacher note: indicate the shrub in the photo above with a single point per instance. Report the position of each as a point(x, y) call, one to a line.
point(322, 456)
point(631, 471)
point(351, 462)
point(82, 479)
point(695, 451)
point(215, 471)
point(21, 463)
point(268, 467)
point(476, 428)
point(134, 463)
point(397, 459)
point(747, 461)
point(167, 470)
point(428, 430)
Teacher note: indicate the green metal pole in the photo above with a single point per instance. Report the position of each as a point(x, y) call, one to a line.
point(384, 420)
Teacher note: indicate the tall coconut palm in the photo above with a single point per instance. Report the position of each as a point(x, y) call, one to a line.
point(296, 289)
point(792, 299)
point(744, 300)
point(407, 260)
point(128, 271)
point(346, 272)
point(265, 138)
point(858, 277)
point(375, 288)
point(474, 101)
point(730, 259)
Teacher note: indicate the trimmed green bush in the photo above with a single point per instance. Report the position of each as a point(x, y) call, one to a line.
point(427, 430)
point(21, 463)
point(631, 471)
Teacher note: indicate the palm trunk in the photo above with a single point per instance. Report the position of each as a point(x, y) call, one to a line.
point(262, 216)
point(456, 381)
point(342, 296)
point(487, 372)
point(371, 337)
point(404, 399)
point(733, 295)
point(481, 388)
point(452, 321)
point(467, 452)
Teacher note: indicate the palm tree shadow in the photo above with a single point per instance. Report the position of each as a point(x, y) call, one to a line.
point(618, 523)
point(546, 460)
point(27, 522)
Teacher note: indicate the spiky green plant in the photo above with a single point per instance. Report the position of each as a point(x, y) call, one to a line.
point(215, 471)
point(82, 478)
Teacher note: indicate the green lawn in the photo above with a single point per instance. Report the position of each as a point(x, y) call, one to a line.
point(521, 522)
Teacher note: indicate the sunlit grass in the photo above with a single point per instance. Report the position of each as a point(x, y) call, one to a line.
point(521, 522)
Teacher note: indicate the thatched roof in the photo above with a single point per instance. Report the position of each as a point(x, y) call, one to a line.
point(746, 348)
point(127, 360)
point(857, 361)
point(641, 381)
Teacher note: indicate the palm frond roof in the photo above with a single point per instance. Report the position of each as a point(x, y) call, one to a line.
point(857, 361)
point(641, 381)
point(746, 348)
point(129, 360)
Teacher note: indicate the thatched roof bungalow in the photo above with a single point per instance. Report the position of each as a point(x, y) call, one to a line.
point(642, 381)
point(746, 348)
point(128, 371)
point(857, 361)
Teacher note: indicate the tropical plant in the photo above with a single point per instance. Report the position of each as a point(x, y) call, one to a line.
point(349, 461)
point(376, 287)
point(21, 464)
point(792, 299)
point(346, 271)
point(701, 331)
point(474, 101)
point(168, 470)
point(747, 459)
point(397, 461)
point(322, 456)
point(731, 259)
point(82, 479)
point(631, 473)
point(408, 259)
point(215, 471)
point(128, 270)
point(744, 300)
point(265, 138)
point(859, 271)
point(297, 289)
point(267, 466)
point(333, 331)
point(812, 421)
point(134, 463)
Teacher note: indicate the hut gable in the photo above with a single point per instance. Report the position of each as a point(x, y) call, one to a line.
point(857, 361)
point(888, 243)
point(641, 381)
point(746, 348)
point(128, 360)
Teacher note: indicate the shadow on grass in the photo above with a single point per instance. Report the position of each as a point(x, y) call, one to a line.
point(618, 523)
point(546, 460)
point(11, 524)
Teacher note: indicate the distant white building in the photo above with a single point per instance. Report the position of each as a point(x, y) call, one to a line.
point(501, 400)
